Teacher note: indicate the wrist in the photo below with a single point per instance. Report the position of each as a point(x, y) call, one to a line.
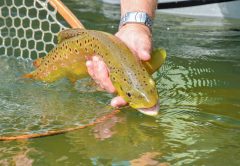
point(135, 27)
point(141, 18)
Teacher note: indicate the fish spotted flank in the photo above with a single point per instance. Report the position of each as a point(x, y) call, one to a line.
point(128, 74)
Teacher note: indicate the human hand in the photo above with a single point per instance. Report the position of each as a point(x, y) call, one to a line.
point(138, 38)
point(98, 70)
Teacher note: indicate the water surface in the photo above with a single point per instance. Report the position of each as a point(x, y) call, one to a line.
point(199, 120)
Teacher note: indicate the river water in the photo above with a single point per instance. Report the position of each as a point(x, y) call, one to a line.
point(199, 88)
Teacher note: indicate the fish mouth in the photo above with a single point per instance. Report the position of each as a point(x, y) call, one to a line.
point(152, 111)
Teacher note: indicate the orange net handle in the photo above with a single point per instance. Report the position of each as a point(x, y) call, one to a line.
point(69, 17)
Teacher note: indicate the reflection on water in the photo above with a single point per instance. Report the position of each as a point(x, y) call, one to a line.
point(33, 107)
point(199, 120)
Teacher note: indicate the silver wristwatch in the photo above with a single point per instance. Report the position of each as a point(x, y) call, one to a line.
point(136, 17)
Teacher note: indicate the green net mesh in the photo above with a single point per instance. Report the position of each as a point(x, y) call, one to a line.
point(28, 28)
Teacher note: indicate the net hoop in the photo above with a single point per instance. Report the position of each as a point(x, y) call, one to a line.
point(57, 132)
point(68, 16)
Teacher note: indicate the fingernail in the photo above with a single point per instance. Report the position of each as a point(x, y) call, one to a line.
point(88, 63)
point(109, 89)
point(95, 58)
point(114, 103)
point(144, 55)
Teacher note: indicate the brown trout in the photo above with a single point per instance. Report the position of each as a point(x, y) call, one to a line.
point(130, 76)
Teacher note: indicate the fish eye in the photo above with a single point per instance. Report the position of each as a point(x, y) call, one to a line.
point(129, 94)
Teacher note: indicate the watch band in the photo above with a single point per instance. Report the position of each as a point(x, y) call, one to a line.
point(136, 17)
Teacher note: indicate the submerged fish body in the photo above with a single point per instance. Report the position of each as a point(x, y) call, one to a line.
point(128, 74)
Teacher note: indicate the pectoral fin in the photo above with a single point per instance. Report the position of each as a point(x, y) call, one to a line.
point(28, 75)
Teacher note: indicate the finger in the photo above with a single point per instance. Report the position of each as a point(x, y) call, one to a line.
point(101, 75)
point(97, 69)
point(102, 72)
point(90, 70)
point(141, 49)
point(104, 77)
point(95, 61)
point(144, 54)
point(109, 86)
point(144, 49)
point(118, 102)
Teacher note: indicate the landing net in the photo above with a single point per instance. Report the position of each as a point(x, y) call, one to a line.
point(28, 28)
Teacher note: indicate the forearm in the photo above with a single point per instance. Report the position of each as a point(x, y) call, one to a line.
point(147, 6)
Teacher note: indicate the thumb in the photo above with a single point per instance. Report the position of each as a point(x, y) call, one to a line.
point(144, 54)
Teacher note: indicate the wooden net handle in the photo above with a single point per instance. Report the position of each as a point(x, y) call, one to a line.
point(69, 17)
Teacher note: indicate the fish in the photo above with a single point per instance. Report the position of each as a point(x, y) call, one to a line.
point(130, 76)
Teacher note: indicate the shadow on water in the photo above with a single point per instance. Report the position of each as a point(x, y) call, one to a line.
point(199, 89)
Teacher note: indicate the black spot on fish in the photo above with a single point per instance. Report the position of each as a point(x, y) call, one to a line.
point(129, 94)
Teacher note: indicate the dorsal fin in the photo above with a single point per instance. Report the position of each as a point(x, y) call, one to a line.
point(69, 33)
